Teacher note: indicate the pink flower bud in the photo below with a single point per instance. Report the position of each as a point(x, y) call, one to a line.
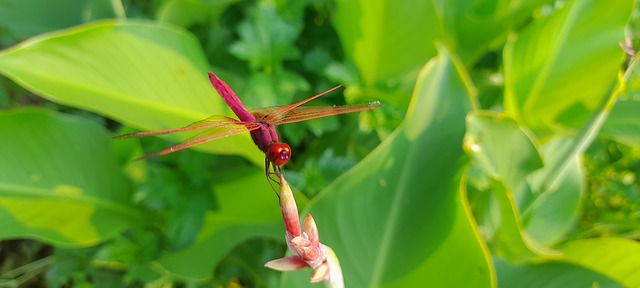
point(291, 263)
point(289, 209)
point(305, 245)
point(304, 248)
point(309, 227)
point(320, 273)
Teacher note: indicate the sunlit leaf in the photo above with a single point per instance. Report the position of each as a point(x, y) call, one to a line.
point(147, 75)
point(59, 181)
point(559, 68)
point(616, 258)
point(389, 39)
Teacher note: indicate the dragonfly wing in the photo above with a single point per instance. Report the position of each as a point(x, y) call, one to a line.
point(211, 122)
point(207, 135)
point(304, 113)
point(268, 114)
point(263, 114)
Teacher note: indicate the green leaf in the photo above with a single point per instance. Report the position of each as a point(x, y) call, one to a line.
point(150, 76)
point(473, 26)
point(548, 215)
point(549, 275)
point(623, 124)
point(399, 217)
point(244, 212)
point(559, 68)
point(59, 181)
point(509, 241)
point(506, 154)
point(265, 39)
point(188, 12)
point(616, 258)
point(26, 18)
point(390, 39)
point(501, 149)
point(275, 89)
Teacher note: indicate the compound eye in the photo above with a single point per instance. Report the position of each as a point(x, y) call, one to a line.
point(279, 153)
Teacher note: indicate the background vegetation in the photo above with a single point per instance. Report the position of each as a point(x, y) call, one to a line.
point(507, 153)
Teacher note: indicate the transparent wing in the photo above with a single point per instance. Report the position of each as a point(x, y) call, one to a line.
point(214, 127)
point(278, 111)
point(207, 135)
point(211, 122)
point(304, 113)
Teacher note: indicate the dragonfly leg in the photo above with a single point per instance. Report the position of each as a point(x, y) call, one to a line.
point(276, 171)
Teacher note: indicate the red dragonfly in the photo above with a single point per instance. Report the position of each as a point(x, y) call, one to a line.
point(260, 122)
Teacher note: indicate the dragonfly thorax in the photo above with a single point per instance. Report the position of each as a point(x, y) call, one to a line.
point(264, 136)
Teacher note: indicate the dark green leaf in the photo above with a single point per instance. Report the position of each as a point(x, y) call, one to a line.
point(549, 275)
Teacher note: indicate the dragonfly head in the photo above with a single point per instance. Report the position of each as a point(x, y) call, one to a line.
point(278, 153)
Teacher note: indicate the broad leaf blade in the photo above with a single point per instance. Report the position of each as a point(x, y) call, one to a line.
point(550, 275)
point(616, 258)
point(149, 76)
point(391, 39)
point(559, 68)
point(59, 181)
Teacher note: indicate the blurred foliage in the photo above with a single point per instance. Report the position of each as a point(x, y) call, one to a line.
point(507, 150)
point(612, 206)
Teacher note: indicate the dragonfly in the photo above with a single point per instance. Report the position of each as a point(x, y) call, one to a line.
point(260, 122)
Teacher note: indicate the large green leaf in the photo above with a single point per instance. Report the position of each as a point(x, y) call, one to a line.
point(147, 75)
point(559, 68)
point(59, 181)
point(616, 258)
point(244, 211)
point(550, 275)
point(389, 38)
point(399, 218)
